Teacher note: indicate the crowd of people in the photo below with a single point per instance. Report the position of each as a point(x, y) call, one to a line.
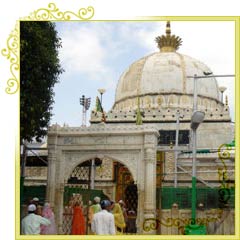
point(107, 217)
point(104, 217)
point(38, 220)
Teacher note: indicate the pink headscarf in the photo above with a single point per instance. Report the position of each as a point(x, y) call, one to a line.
point(48, 213)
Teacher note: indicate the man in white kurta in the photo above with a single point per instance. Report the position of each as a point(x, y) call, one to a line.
point(32, 222)
point(103, 221)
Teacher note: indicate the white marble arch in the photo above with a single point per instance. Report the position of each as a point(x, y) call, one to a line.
point(133, 146)
point(123, 159)
point(160, 100)
point(185, 100)
point(172, 101)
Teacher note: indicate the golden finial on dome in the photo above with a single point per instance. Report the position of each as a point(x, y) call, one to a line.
point(168, 28)
point(168, 42)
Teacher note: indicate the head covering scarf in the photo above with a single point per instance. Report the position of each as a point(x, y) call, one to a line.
point(118, 216)
point(48, 213)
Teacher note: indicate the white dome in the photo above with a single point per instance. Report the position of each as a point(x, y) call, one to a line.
point(165, 73)
point(157, 87)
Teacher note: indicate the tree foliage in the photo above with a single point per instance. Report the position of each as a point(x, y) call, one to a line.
point(39, 71)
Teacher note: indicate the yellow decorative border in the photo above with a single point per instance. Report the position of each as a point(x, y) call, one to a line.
point(53, 13)
point(223, 154)
point(154, 223)
point(11, 52)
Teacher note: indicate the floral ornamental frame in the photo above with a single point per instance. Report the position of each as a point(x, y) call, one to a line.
point(12, 52)
point(53, 13)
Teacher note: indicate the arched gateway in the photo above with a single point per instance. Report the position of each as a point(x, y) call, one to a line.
point(131, 148)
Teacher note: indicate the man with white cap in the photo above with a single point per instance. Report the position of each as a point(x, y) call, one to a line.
point(35, 201)
point(93, 209)
point(97, 207)
point(32, 222)
point(103, 221)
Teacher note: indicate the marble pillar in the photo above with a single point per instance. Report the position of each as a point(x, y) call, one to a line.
point(59, 206)
point(150, 187)
point(51, 178)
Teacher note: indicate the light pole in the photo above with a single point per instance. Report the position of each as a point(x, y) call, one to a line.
point(193, 228)
point(222, 89)
point(101, 91)
point(197, 118)
point(195, 78)
point(176, 148)
point(85, 102)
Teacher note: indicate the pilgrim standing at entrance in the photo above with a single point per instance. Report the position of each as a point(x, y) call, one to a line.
point(95, 208)
point(103, 221)
point(118, 217)
point(124, 211)
point(35, 201)
point(32, 222)
point(78, 223)
point(48, 213)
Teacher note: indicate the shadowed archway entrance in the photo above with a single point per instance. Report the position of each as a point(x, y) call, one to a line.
point(126, 190)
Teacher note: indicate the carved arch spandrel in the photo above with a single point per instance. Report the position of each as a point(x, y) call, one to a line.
point(128, 158)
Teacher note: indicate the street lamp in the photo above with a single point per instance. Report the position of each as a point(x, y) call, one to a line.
point(193, 228)
point(222, 89)
point(101, 91)
point(196, 120)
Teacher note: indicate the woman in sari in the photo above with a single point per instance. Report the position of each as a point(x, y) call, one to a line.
point(78, 223)
point(118, 217)
point(48, 213)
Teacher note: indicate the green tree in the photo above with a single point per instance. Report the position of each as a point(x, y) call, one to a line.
point(39, 71)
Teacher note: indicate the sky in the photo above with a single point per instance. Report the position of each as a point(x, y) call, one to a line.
point(95, 54)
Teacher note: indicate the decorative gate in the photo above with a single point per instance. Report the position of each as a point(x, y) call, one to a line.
point(77, 189)
point(127, 191)
point(73, 194)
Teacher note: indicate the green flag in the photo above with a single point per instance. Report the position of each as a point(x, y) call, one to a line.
point(98, 105)
point(99, 108)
